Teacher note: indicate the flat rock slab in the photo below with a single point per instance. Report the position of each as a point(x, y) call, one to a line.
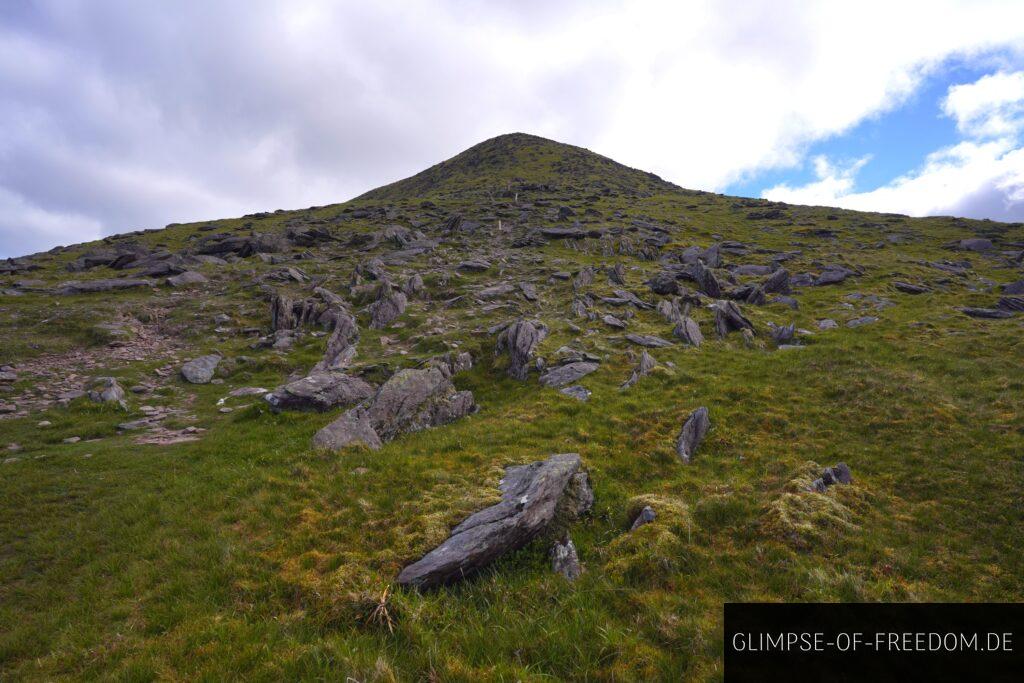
point(320, 391)
point(562, 375)
point(532, 497)
point(648, 341)
point(92, 286)
point(580, 393)
point(990, 313)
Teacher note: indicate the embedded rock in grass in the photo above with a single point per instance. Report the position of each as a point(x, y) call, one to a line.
point(643, 368)
point(612, 321)
point(782, 334)
point(840, 474)
point(688, 331)
point(561, 375)
point(990, 313)
point(706, 280)
point(976, 244)
point(646, 516)
point(648, 340)
point(519, 340)
point(777, 282)
point(473, 266)
point(864, 320)
point(542, 497)
point(827, 324)
point(528, 290)
point(408, 402)
point(564, 559)
point(580, 393)
point(200, 370)
point(692, 433)
point(388, 306)
point(92, 286)
point(832, 275)
point(1014, 287)
point(1010, 303)
point(320, 391)
point(910, 288)
point(186, 279)
point(107, 391)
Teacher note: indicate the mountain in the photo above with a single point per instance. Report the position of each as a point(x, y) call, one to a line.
point(529, 413)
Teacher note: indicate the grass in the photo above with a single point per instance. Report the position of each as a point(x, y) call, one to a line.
point(247, 555)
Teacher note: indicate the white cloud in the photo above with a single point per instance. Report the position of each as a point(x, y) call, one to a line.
point(979, 177)
point(990, 107)
point(138, 114)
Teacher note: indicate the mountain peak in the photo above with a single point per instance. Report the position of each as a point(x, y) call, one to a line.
point(501, 163)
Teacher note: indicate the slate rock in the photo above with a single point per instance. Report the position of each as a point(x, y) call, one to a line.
point(474, 266)
point(341, 346)
point(200, 370)
point(839, 474)
point(989, 313)
point(535, 498)
point(93, 286)
point(782, 334)
point(528, 290)
point(519, 340)
point(729, 318)
point(187, 279)
point(648, 340)
point(979, 244)
point(706, 280)
point(576, 391)
point(496, 291)
point(387, 308)
point(642, 369)
point(688, 331)
point(612, 321)
point(107, 391)
point(1014, 287)
point(562, 375)
point(827, 324)
point(910, 288)
point(320, 391)
point(1011, 303)
point(777, 282)
point(646, 516)
point(863, 320)
point(692, 433)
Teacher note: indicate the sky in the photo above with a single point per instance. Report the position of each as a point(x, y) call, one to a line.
point(117, 115)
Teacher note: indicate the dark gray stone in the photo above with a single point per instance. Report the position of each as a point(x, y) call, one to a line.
point(692, 433)
point(562, 375)
point(388, 306)
point(200, 370)
point(990, 313)
point(519, 340)
point(535, 498)
point(646, 516)
point(320, 391)
point(648, 340)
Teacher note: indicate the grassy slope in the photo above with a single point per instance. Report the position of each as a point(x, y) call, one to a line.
point(247, 554)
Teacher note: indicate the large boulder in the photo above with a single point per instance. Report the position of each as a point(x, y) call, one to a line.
point(320, 391)
point(535, 499)
point(408, 402)
point(200, 370)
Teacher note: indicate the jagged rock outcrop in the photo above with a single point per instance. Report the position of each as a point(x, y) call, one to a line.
point(388, 306)
point(410, 401)
point(542, 497)
point(519, 340)
point(341, 346)
point(729, 318)
point(688, 331)
point(642, 369)
point(840, 474)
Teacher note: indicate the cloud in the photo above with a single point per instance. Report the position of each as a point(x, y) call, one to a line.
point(126, 115)
point(980, 177)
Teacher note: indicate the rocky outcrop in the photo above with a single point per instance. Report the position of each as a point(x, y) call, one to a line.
point(408, 402)
point(519, 340)
point(840, 474)
point(562, 375)
point(341, 346)
point(320, 391)
point(388, 306)
point(642, 369)
point(729, 318)
point(93, 286)
point(542, 497)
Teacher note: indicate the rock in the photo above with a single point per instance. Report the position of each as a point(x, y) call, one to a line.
point(1014, 287)
point(107, 391)
point(978, 244)
point(563, 233)
point(664, 283)
point(646, 516)
point(200, 370)
point(341, 346)
point(756, 296)
point(187, 279)
point(692, 433)
point(909, 288)
point(643, 368)
point(777, 282)
point(496, 291)
point(840, 474)
point(616, 274)
point(413, 286)
point(688, 331)
point(729, 318)
point(388, 306)
point(535, 499)
point(564, 559)
point(474, 266)
point(8, 408)
point(410, 401)
point(72, 439)
point(827, 324)
point(43, 424)
point(612, 321)
point(782, 334)
point(1010, 303)
point(528, 290)
point(580, 393)
point(863, 320)
point(747, 269)
point(990, 313)
point(562, 375)
point(453, 363)
point(92, 286)
point(320, 391)
point(649, 341)
point(8, 376)
point(519, 340)
point(706, 280)
point(669, 310)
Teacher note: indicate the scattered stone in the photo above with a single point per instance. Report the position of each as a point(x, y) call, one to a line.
point(72, 439)
point(649, 341)
point(1011, 303)
point(576, 391)
point(692, 433)
point(643, 368)
point(646, 516)
point(729, 318)
point(107, 391)
point(474, 266)
point(688, 331)
point(863, 320)
point(187, 279)
point(43, 424)
point(827, 324)
point(989, 313)
point(1014, 287)
point(706, 280)
point(979, 244)
point(8, 408)
point(562, 375)
point(528, 290)
point(341, 346)
point(535, 498)
point(387, 308)
point(200, 370)
point(782, 334)
point(777, 282)
point(495, 292)
point(93, 286)
point(612, 321)
point(910, 288)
